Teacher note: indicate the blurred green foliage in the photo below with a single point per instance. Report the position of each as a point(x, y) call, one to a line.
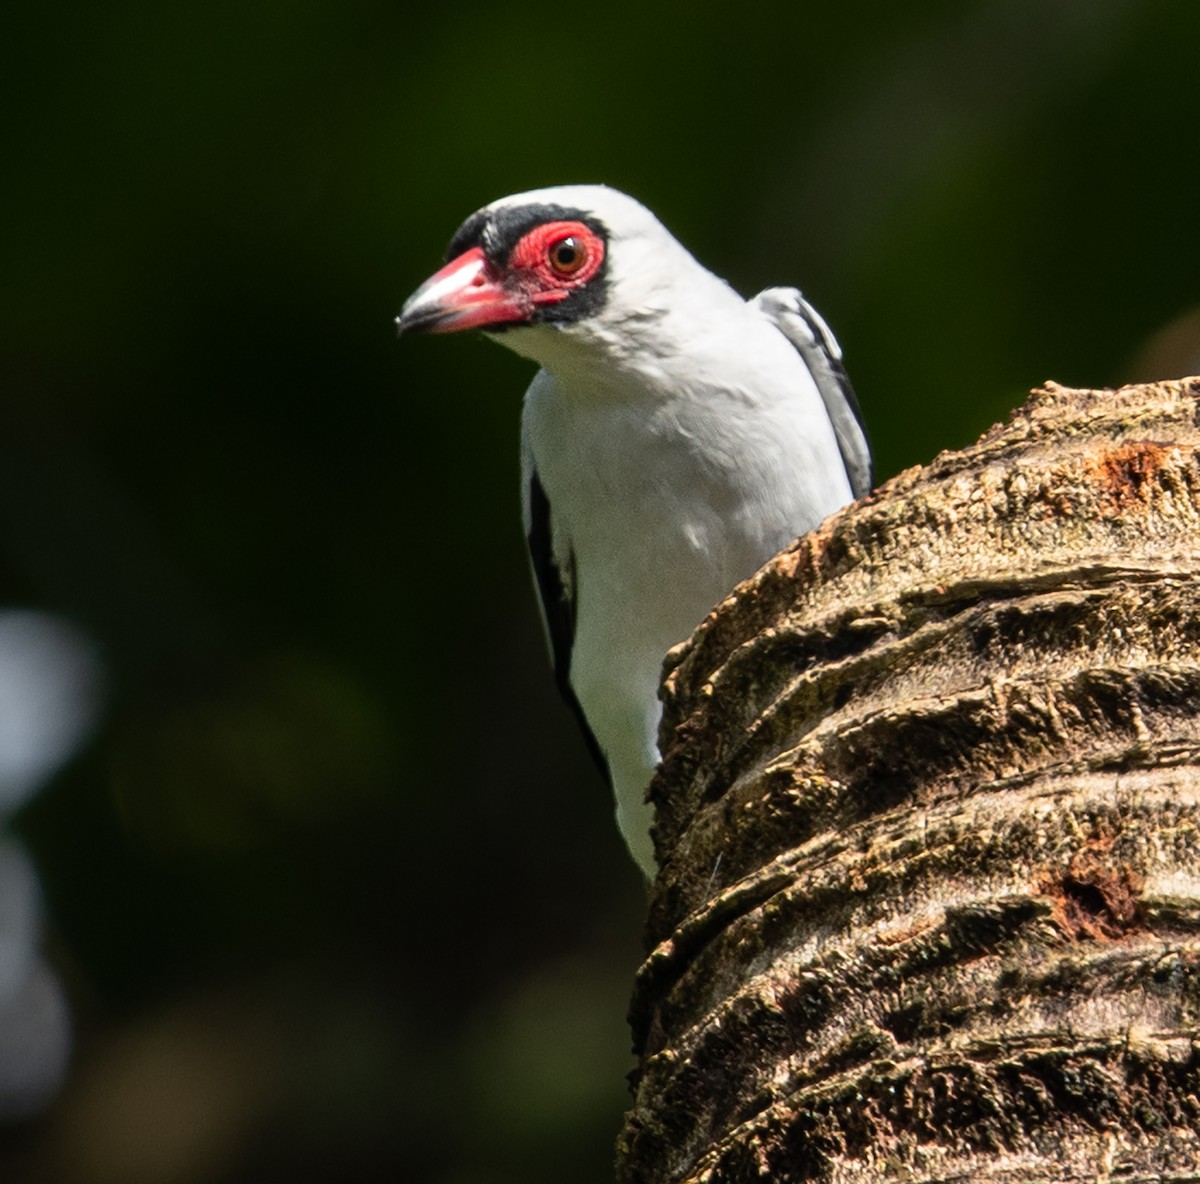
point(334, 890)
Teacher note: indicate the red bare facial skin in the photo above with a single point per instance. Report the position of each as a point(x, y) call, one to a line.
point(534, 259)
point(547, 265)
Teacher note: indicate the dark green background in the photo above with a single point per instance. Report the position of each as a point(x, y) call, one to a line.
point(334, 890)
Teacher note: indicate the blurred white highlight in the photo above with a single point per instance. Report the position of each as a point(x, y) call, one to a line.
point(50, 691)
point(49, 699)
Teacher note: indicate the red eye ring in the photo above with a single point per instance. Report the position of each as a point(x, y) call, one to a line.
point(554, 259)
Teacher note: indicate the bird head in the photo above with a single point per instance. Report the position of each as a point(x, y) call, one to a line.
point(584, 261)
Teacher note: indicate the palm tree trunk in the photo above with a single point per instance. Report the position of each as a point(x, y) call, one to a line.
point(929, 818)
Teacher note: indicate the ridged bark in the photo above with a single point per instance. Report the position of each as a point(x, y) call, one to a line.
point(930, 906)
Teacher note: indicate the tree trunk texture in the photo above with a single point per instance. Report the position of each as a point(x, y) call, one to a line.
point(929, 825)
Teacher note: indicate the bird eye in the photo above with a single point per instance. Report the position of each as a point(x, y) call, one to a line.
point(567, 255)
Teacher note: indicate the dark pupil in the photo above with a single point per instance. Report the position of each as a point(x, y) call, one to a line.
point(566, 252)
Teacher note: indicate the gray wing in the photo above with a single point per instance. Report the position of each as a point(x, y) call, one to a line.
point(804, 327)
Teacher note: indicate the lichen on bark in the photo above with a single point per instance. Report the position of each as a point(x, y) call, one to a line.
point(929, 826)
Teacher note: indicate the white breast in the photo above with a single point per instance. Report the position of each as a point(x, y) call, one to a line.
point(668, 484)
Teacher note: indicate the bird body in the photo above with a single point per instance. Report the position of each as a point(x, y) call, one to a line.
point(675, 439)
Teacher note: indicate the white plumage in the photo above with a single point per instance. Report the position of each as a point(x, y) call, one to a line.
point(675, 439)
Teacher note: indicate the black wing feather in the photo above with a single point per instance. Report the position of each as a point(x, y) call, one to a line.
point(558, 609)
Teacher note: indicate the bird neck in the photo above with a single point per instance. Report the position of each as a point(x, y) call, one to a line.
point(654, 347)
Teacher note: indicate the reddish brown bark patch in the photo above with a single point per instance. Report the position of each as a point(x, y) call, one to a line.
point(1127, 475)
point(1094, 902)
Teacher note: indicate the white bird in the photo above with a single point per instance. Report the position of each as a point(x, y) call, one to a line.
point(676, 437)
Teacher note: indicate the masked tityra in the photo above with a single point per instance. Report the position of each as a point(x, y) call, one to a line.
point(675, 439)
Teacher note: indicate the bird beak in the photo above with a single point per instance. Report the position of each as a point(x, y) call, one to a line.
point(465, 294)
